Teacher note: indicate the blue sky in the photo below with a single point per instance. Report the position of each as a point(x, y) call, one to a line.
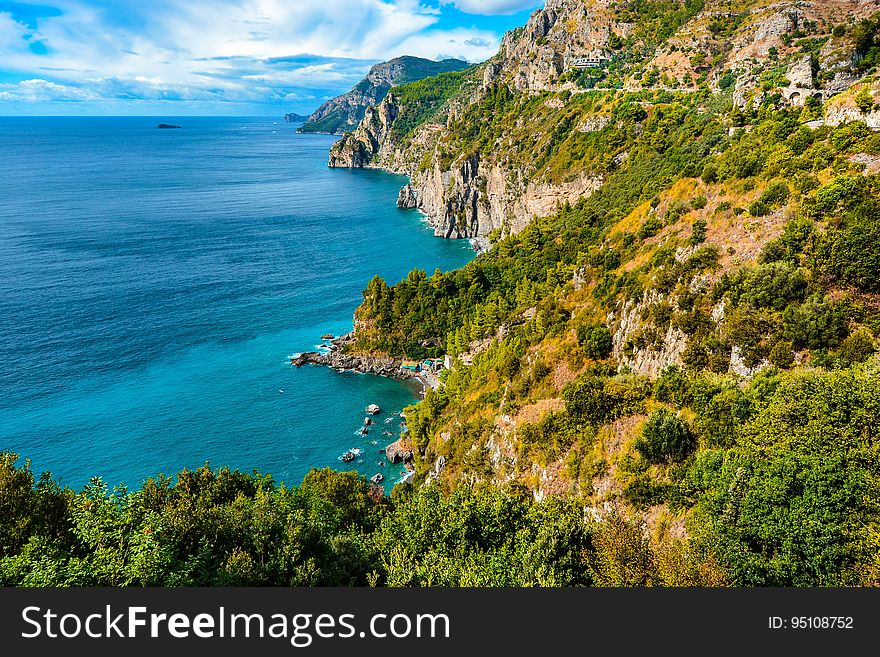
point(225, 57)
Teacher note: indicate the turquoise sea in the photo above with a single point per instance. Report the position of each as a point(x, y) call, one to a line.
point(153, 284)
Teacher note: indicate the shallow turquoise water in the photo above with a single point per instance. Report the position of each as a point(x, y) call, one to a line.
point(154, 282)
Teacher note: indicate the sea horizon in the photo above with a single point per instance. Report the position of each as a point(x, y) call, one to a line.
point(155, 284)
point(137, 116)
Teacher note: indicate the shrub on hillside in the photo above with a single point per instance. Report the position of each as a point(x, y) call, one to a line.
point(759, 209)
point(858, 347)
point(650, 228)
point(772, 285)
point(595, 340)
point(816, 324)
point(594, 401)
point(698, 232)
point(855, 258)
point(665, 438)
point(782, 354)
point(672, 387)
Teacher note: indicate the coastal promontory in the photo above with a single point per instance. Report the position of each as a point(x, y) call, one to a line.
point(343, 113)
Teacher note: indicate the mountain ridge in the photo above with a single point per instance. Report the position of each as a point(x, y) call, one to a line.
point(342, 113)
point(537, 59)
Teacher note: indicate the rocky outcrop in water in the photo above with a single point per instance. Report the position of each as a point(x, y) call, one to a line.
point(339, 359)
point(408, 198)
point(400, 451)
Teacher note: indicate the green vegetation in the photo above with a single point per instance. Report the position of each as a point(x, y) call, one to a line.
point(343, 113)
point(794, 503)
point(779, 481)
point(827, 244)
point(596, 341)
point(665, 438)
point(865, 37)
point(772, 475)
point(421, 100)
point(223, 528)
point(417, 68)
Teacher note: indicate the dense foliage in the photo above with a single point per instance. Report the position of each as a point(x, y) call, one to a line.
point(761, 445)
point(665, 438)
point(783, 489)
point(795, 502)
point(421, 99)
point(224, 528)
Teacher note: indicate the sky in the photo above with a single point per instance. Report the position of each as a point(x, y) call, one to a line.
point(224, 57)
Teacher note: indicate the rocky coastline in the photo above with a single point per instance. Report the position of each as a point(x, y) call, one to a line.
point(401, 449)
point(472, 198)
point(340, 359)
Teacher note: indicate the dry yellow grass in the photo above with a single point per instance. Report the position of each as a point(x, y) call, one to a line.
point(535, 412)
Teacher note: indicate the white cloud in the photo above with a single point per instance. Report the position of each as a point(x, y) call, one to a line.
point(11, 35)
point(468, 44)
point(43, 90)
point(238, 49)
point(492, 7)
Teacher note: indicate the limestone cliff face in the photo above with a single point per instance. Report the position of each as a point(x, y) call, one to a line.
point(357, 149)
point(476, 198)
point(648, 360)
point(474, 194)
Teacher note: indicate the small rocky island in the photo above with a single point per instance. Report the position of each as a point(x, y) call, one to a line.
point(168, 126)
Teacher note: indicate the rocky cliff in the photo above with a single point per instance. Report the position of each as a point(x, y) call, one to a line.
point(569, 47)
point(473, 197)
point(343, 113)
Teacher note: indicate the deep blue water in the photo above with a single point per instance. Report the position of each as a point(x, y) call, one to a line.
point(153, 284)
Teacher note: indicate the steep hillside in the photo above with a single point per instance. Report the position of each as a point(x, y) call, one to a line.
point(677, 321)
point(344, 112)
point(664, 371)
point(496, 146)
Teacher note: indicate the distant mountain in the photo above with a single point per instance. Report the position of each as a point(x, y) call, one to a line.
point(343, 113)
point(295, 118)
